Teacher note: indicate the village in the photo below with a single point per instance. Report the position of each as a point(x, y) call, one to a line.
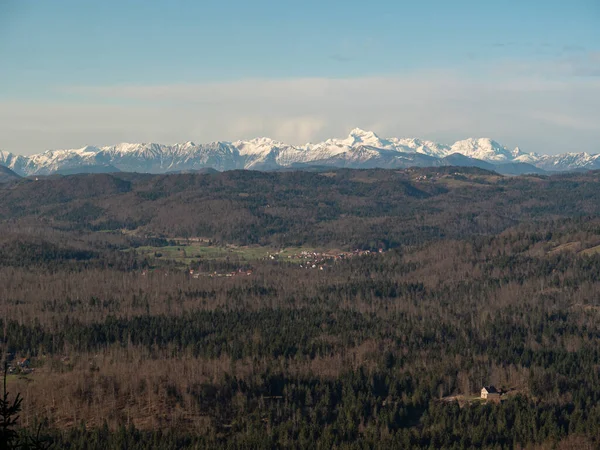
point(240, 272)
point(320, 260)
point(305, 259)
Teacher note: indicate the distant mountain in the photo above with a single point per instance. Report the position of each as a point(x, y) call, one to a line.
point(203, 171)
point(87, 169)
point(7, 175)
point(457, 159)
point(361, 149)
point(519, 168)
point(484, 149)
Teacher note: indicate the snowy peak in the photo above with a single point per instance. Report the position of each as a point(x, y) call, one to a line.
point(483, 148)
point(257, 146)
point(358, 136)
point(4, 157)
point(424, 147)
point(516, 152)
point(360, 149)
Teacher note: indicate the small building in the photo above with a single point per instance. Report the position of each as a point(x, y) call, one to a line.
point(24, 363)
point(490, 393)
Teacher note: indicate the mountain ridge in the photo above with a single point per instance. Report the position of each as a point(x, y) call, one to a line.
point(360, 149)
point(7, 175)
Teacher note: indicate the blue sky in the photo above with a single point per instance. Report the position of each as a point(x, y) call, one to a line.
point(73, 73)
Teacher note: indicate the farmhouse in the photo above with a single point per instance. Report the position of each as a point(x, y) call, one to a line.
point(490, 393)
point(24, 363)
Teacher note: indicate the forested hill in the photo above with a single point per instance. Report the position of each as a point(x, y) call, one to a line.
point(7, 175)
point(243, 309)
point(344, 208)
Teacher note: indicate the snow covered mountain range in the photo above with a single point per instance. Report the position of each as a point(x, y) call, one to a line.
point(361, 149)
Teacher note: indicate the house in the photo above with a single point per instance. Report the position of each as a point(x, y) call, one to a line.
point(490, 393)
point(24, 363)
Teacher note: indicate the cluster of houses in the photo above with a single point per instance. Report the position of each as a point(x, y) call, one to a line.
point(238, 273)
point(435, 176)
point(146, 272)
point(20, 366)
point(307, 260)
point(319, 260)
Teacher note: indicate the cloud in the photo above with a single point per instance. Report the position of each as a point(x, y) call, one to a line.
point(586, 65)
point(570, 64)
point(566, 121)
point(289, 129)
point(526, 109)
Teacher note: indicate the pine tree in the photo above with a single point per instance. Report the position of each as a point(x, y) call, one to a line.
point(9, 415)
point(10, 439)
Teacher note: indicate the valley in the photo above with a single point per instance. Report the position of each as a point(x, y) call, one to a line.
point(304, 309)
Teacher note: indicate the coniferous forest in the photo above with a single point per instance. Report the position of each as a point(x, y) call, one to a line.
point(346, 309)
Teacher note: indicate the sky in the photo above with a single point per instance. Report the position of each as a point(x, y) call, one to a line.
point(73, 73)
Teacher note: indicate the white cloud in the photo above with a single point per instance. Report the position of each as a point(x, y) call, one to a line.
point(535, 113)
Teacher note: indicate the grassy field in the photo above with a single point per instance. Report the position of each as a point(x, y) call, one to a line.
point(591, 251)
point(186, 253)
point(16, 376)
point(464, 399)
point(576, 247)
